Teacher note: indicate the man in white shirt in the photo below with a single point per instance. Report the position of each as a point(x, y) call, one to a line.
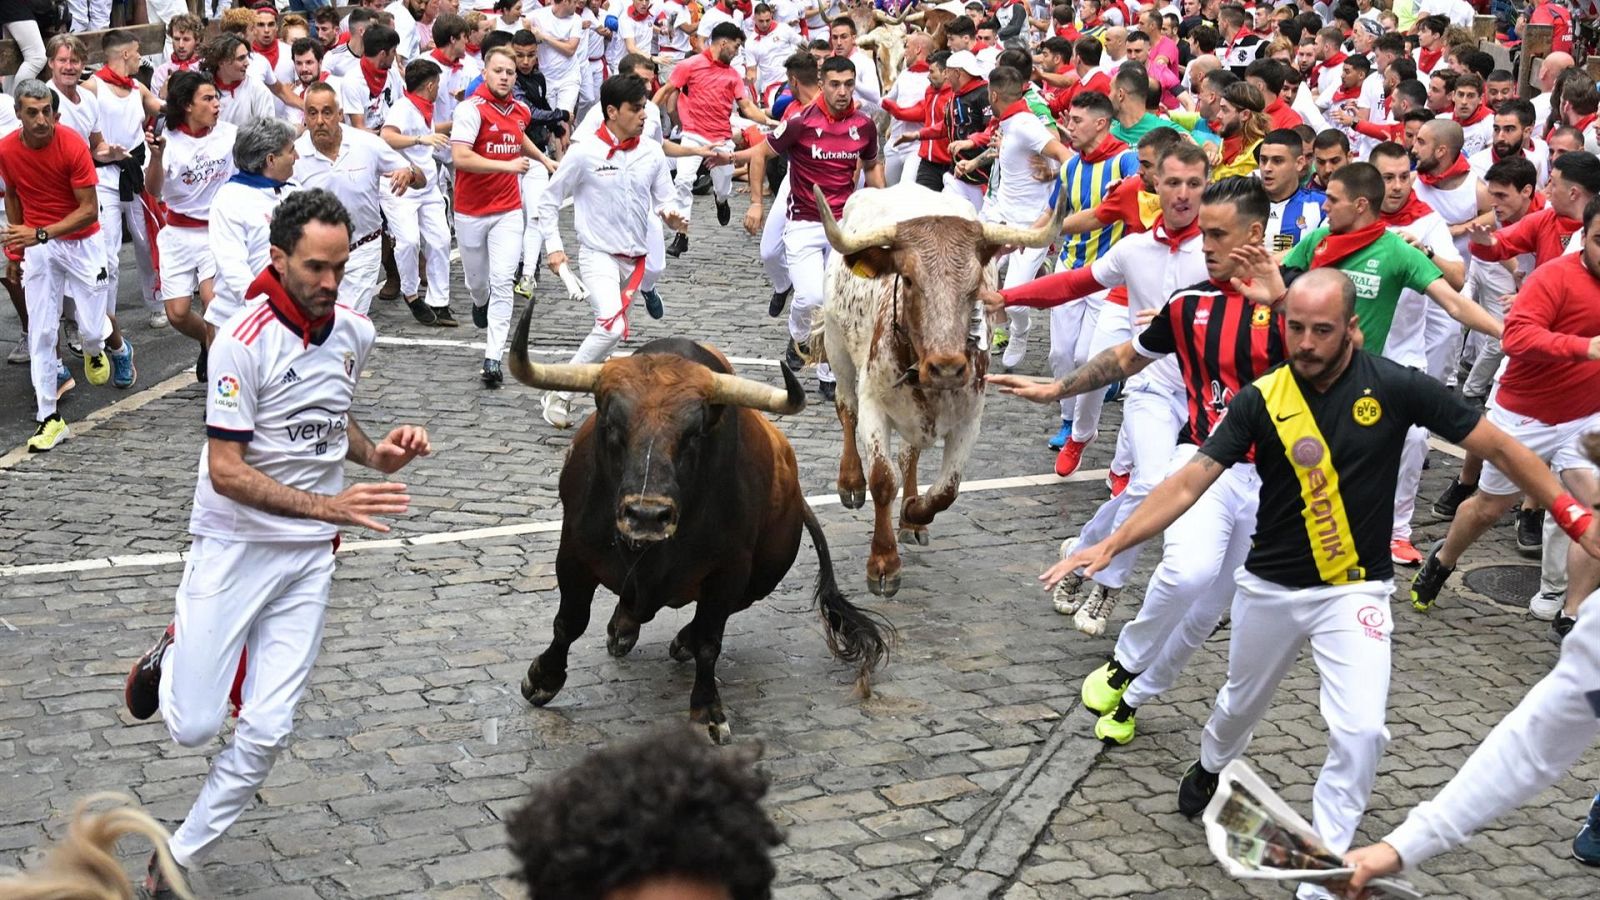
point(1513, 136)
point(416, 218)
point(342, 59)
point(561, 35)
point(637, 27)
point(357, 167)
point(241, 213)
point(243, 97)
point(768, 45)
point(407, 16)
point(909, 89)
point(366, 93)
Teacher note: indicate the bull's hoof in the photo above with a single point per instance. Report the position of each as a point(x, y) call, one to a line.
point(715, 725)
point(914, 534)
point(621, 643)
point(680, 651)
point(539, 688)
point(885, 585)
point(852, 499)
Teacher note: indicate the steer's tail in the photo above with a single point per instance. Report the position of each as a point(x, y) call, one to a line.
point(854, 635)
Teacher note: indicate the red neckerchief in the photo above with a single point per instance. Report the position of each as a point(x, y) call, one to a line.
point(1585, 122)
point(195, 134)
point(1092, 23)
point(605, 136)
point(1412, 210)
point(1344, 93)
point(1535, 203)
point(376, 77)
point(112, 78)
point(227, 87)
point(185, 65)
point(1335, 60)
point(1427, 59)
point(1107, 148)
point(1336, 247)
point(769, 29)
point(1567, 226)
point(918, 67)
point(1021, 106)
point(474, 49)
point(342, 40)
point(440, 57)
point(971, 86)
point(711, 58)
point(270, 52)
point(634, 14)
point(1277, 105)
point(1459, 167)
point(1387, 105)
point(1478, 115)
point(1068, 33)
point(1174, 240)
point(423, 105)
point(1232, 147)
point(288, 311)
point(979, 47)
point(1243, 32)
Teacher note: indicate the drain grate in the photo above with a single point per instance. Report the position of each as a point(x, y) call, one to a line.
point(1507, 585)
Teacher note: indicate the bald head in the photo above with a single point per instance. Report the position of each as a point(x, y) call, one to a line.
point(1446, 134)
point(1321, 294)
point(1114, 38)
point(1203, 66)
point(1553, 66)
point(918, 45)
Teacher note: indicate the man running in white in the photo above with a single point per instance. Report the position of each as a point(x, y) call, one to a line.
point(417, 217)
point(367, 93)
point(268, 504)
point(617, 183)
point(241, 214)
point(563, 43)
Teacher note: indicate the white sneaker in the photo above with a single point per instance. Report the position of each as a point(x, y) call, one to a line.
point(1068, 596)
point(1092, 615)
point(1544, 606)
point(557, 409)
point(19, 353)
point(158, 319)
point(1012, 356)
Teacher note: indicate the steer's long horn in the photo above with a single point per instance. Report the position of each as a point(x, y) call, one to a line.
point(731, 390)
point(1012, 236)
point(579, 377)
point(855, 242)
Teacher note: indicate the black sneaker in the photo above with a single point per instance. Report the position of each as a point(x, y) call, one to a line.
point(141, 693)
point(1196, 790)
point(724, 213)
point(1530, 532)
point(679, 245)
point(779, 300)
point(702, 182)
point(1456, 494)
point(200, 365)
point(443, 318)
point(492, 376)
point(652, 304)
point(827, 389)
point(1561, 626)
point(421, 311)
point(1430, 580)
point(480, 315)
point(156, 886)
point(794, 356)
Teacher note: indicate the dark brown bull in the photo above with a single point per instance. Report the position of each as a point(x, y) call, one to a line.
point(678, 491)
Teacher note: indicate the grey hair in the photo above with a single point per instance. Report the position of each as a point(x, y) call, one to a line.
point(258, 138)
point(34, 89)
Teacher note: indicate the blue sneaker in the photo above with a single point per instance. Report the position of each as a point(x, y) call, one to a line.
point(1586, 846)
point(1060, 440)
point(64, 381)
point(123, 373)
point(652, 304)
point(1114, 392)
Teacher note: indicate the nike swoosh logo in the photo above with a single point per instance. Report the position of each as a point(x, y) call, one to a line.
point(1285, 418)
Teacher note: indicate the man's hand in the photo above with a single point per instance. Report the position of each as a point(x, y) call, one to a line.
point(358, 503)
point(909, 137)
point(113, 152)
point(518, 166)
point(1369, 862)
point(1037, 390)
point(401, 446)
point(1481, 233)
point(19, 236)
point(958, 146)
point(752, 217)
point(674, 220)
point(556, 260)
point(1089, 559)
point(433, 140)
point(993, 300)
point(1259, 279)
point(548, 163)
point(399, 180)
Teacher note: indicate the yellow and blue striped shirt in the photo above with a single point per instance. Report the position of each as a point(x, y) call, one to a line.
point(1085, 185)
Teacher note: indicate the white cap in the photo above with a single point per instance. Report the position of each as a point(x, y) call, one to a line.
point(967, 62)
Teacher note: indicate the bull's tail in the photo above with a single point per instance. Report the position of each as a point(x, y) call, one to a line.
point(854, 635)
point(817, 344)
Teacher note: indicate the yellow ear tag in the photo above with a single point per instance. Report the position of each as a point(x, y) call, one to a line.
point(862, 270)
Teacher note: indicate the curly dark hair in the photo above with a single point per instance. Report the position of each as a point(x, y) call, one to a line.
point(667, 804)
point(310, 205)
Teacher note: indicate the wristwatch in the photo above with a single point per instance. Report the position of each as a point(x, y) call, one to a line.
point(42, 236)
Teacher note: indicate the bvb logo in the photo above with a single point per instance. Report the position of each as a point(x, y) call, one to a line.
point(1366, 411)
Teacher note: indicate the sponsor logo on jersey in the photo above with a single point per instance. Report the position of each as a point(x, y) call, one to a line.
point(290, 377)
point(227, 394)
point(1367, 411)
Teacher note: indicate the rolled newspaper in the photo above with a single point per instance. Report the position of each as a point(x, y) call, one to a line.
point(575, 288)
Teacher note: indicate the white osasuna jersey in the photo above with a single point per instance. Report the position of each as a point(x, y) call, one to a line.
point(193, 167)
point(283, 387)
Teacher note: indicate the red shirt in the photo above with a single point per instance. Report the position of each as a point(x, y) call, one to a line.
point(1549, 375)
point(493, 128)
point(1542, 233)
point(1282, 115)
point(823, 151)
point(1099, 81)
point(1560, 22)
point(44, 179)
point(708, 92)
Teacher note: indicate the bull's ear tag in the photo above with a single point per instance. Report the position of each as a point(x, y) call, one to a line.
point(862, 270)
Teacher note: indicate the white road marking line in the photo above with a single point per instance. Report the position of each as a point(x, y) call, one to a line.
point(388, 340)
point(89, 422)
point(472, 534)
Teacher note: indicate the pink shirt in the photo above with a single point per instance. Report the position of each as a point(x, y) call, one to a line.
point(824, 152)
point(708, 93)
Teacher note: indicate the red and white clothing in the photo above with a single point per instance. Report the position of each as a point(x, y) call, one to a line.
point(674, 45)
point(709, 92)
point(1477, 130)
point(488, 206)
point(908, 89)
point(277, 61)
point(1538, 153)
point(453, 83)
point(1543, 233)
point(194, 167)
point(341, 61)
point(767, 51)
point(122, 124)
point(81, 115)
point(169, 67)
point(369, 92)
point(641, 30)
point(562, 71)
point(358, 175)
point(417, 218)
point(241, 220)
point(245, 102)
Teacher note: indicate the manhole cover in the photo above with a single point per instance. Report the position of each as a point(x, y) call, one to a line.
point(1510, 585)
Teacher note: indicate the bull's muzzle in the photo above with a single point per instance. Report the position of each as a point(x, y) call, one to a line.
point(944, 371)
point(646, 518)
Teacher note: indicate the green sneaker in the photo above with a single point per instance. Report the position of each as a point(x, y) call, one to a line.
point(1116, 727)
point(1104, 687)
point(1429, 581)
point(1002, 337)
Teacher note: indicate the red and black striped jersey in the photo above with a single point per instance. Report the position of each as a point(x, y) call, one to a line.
point(1222, 342)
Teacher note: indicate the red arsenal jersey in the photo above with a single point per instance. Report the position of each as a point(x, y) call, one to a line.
point(493, 128)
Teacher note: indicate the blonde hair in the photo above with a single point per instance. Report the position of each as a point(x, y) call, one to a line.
point(237, 20)
point(84, 865)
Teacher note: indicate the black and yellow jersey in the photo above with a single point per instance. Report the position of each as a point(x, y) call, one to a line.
point(1328, 464)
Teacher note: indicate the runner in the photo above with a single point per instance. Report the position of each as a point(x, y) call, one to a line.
point(417, 217)
point(241, 213)
point(561, 34)
point(367, 94)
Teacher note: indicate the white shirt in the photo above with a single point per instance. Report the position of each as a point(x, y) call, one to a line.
point(1453, 206)
point(289, 401)
point(1538, 154)
point(240, 220)
point(869, 88)
point(1152, 273)
point(1477, 137)
point(643, 34)
point(83, 116)
point(1020, 197)
point(908, 90)
point(559, 68)
point(405, 25)
point(676, 40)
point(714, 16)
point(357, 176)
point(1407, 343)
point(356, 99)
point(340, 61)
point(1541, 112)
point(768, 52)
point(613, 199)
point(122, 124)
point(593, 118)
point(249, 101)
point(405, 118)
point(193, 168)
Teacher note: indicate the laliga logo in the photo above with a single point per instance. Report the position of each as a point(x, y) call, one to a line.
point(227, 387)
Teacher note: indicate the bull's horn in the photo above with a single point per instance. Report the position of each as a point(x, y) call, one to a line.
point(579, 377)
point(1012, 236)
point(731, 390)
point(854, 242)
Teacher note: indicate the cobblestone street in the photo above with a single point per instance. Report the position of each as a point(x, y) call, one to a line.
point(972, 771)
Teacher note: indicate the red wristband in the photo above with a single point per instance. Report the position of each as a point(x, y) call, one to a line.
point(1571, 515)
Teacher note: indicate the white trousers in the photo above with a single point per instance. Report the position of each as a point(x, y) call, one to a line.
point(361, 275)
point(1022, 266)
point(534, 181)
point(51, 272)
point(1151, 420)
point(908, 174)
point(689, 169)
point(89, 15)
point(268, 599)
point(417, 222)
point(972, 193)
point(1412, 455)
point(1109, 328)
point(773, 258)
point(1348, 628)
point(806, 252)
point(1443, 337)
point(894, 162)
point(605, 276)
point(115, 216)
point(564, 94)
point(1192, 585)
point(1072, 327)
point(490, 248)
